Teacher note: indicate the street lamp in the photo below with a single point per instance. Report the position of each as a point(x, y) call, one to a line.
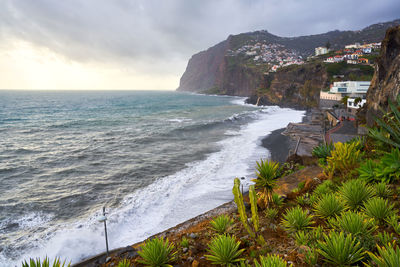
point(104, 219)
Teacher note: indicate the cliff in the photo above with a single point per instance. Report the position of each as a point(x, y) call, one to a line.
point(240, 65)
point(385, 84)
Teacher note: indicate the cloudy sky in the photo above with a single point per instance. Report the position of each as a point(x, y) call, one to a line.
point(145, 44)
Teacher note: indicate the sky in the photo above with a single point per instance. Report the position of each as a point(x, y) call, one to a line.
point(146, 44)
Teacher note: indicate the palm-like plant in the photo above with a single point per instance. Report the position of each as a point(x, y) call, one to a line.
point(45, 263)
point(328, 206)
point(271, 261)
point(378, 208)
point(325, 188)
point(277, 200)
point(344, 158)
point(340, 249)
point(271, 213)
point(296, 219)
point(355, 192)
point(157, 252)
point(389, 131)
point(388, 256)
point(221, 224)
point(224, 250)
point(267, 173)
point(385, 238)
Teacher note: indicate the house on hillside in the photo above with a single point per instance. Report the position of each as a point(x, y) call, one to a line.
point(363, 61)
point(352, 61)
point(338, 58)
point(329, 60)
point(321, 50)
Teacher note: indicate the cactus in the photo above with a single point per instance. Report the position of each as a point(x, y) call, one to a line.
point(253, 231)
point(254, 211)
point(241, 209)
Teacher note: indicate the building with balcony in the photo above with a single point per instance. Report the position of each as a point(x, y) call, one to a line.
point(351, 88)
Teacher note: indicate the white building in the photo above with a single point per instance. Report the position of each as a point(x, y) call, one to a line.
point(351, 104)
point(352, 46)
point(321, 50)
point(356, 88)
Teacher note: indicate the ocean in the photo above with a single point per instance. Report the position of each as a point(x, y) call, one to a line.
point(152, 158)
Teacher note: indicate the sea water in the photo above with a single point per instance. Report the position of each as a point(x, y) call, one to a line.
point(152, 158)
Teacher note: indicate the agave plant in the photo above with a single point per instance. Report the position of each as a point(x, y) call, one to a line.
point(271, 213)
point(157, 252)
point(124, 263)
point(354, 223)
point(325, 188)
point(388, 256)
point(340, 249)
point(322, 151)
point(267, 174)
point(311, 257)
point(382, 190)
point(328, 206)
point(378, 208)
point(276, 200)
point(366, 171)
point(355, 192)
point(45, 263)
point(385, 238)
point(221, 224)
point(302, 238)
point(393, 221)
point(296, 219)
point(389, 131)
point(224, 250)
point(271, 261)
point(389, 167)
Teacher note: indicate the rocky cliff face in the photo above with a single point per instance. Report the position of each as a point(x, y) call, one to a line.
point(226, 69)
point(293, 86)
point(385, 84)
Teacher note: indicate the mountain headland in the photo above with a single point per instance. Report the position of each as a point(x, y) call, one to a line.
point(241, 66)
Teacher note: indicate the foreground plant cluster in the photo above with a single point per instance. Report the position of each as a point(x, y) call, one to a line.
point(348, 216)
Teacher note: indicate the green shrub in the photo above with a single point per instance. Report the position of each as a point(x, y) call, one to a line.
point(224, 250)
point(271, 213)
point(354, 193)
point(382, 190)
point(389, 127)
point(340, 249)
point(267, 173)
point(184, 242)
point(359, 142)
point(388, 256)
point(296, 219)
point(45, 263)
point(271, 261)
point(325, 188)
point(389, 168)
point(385, 238)
point(322, 151)
point(344, 158)
point(366, 171)
point(277, 200)
point(157, 252)
point(124, 263)
point(378, 208)
point(221, 224)
point(328, 206)
point(354, 223)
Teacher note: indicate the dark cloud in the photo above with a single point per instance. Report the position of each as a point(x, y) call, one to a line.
point(160, 35)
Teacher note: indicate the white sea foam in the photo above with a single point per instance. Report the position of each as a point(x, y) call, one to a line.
point(197, 188)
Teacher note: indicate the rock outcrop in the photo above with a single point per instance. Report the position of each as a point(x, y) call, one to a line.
point(385, 84)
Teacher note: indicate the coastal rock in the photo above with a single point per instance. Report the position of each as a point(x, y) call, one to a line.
point(385, 84)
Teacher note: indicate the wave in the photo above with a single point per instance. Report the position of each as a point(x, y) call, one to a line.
point(200, 186)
